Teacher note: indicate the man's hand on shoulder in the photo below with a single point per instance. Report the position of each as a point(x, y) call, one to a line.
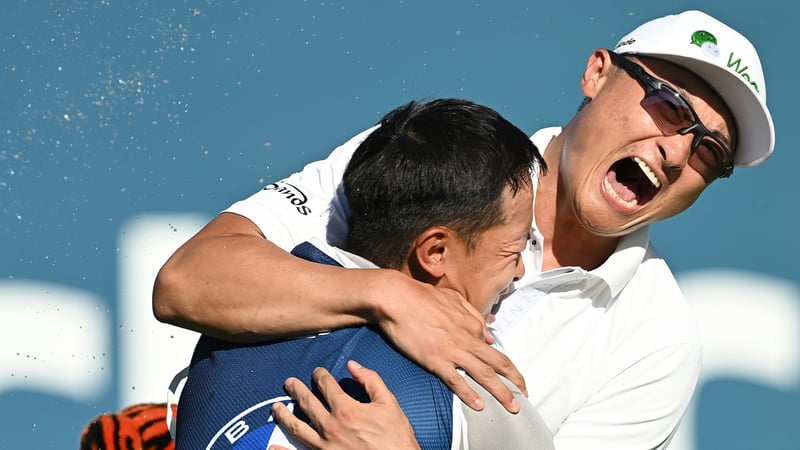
point(347, 423)
point(439, 330)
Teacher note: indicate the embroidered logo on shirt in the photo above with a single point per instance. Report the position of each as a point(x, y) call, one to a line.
point(292, 193)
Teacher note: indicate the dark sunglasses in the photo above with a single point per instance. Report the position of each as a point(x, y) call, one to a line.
point(674, 115)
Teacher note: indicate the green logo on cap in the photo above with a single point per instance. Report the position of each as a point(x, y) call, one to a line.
point(701, 37)
point(707, 42)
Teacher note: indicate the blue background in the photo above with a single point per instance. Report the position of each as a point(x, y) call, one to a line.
point(113, 109)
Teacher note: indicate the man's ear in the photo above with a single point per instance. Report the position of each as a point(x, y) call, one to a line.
point(430, 251)
point(597, 70)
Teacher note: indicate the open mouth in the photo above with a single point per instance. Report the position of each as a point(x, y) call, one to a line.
point(631, 183)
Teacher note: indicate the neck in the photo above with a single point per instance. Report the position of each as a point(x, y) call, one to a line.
point(566, 240)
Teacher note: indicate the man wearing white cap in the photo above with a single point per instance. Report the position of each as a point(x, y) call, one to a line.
point(597, 326)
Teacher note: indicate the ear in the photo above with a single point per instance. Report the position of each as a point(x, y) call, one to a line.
point(430, 251)
point(598, 69)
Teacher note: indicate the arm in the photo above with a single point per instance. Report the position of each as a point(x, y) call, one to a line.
point(229, 282)
point(349, 423)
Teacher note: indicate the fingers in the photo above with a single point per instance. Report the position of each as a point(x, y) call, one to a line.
point(513, 374)
point(294, 427)
point(341, 403)
point(446, 333)
point(372, 382)
point(306, 399)
point(450, 376)
point(483, 364)
point(331, 391)
point(377, 424)
point(488, 378)
point(310, 404)
point(475, 313)
point(488, 336)
point(501, 364)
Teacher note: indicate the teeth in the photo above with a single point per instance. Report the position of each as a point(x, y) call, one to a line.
point(649, 173)
point(627, 204)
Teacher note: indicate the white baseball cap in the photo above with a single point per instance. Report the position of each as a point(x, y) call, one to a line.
point(726, 60)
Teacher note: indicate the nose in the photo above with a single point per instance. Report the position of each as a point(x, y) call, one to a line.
point(519, 270)
point(675, 151)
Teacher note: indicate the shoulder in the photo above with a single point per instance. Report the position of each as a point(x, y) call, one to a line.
point(653, 312)
point(494, 427)
point(306, 204)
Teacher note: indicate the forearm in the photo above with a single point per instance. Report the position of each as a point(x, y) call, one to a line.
point(231, 283)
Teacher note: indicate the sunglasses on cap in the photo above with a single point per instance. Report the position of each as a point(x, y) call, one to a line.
point(673, 115)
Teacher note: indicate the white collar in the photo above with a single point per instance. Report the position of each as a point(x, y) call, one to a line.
point(343, 257)
point(619, 268)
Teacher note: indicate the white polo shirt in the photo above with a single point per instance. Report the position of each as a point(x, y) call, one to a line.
point(610, 356)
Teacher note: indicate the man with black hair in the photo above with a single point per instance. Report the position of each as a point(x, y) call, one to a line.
point(440, 192)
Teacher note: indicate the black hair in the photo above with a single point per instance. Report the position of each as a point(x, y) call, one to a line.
point(445, 162)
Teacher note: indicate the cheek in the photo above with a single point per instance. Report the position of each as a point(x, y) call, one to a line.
point(681, 202)
point(607, 123)
point(503, 277)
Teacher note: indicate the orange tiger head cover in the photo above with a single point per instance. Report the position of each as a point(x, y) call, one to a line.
point(142, 426)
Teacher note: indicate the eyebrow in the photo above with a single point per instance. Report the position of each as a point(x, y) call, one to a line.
point(724, 139)
point(686, 97)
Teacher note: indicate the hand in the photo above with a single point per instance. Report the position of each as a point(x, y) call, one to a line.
point(349, 424)
point(439, 330)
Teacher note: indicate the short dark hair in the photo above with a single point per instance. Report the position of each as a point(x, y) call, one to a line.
point(445, 162)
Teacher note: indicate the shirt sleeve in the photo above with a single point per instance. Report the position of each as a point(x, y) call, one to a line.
point(308, 204)
point(494, 427)
point(639, 408)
